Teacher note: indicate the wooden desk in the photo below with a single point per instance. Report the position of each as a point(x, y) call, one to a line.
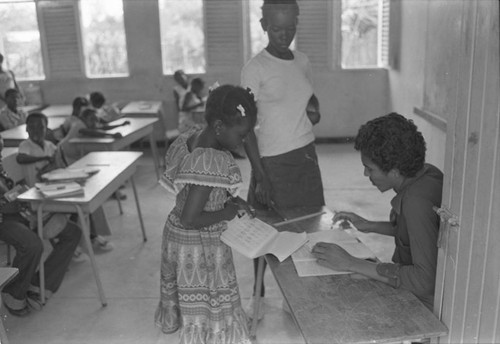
point(13, 137)
point(115, 168)
point(342, 309)
point(138, 129)
point(148, 109)
point(6, 274)
point(58, 110)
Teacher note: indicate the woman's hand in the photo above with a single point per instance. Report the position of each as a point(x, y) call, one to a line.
point(359, 222)
point(264, 191)
point(332, 256)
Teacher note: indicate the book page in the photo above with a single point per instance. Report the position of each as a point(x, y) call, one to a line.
point(285, 244)
point(305, 262)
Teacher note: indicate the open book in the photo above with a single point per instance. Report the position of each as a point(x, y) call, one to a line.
point(59, 190)
point(305, 261)
point(253, 238)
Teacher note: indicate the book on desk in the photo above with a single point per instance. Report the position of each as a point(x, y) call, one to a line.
point(60, 190)
point(253, 238)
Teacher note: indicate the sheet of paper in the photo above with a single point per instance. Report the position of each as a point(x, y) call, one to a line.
point(305, 262)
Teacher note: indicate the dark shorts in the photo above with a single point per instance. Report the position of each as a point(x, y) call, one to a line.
point(295, 177)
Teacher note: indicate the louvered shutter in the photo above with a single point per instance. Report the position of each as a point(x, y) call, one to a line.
point(313, 31)
point(383, 34)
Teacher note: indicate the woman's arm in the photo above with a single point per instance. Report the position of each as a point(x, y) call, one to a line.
point(364, 225)
point(193, 215)
point(264, 189)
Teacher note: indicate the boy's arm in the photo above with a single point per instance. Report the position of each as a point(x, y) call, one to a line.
point(97, 133)
point(24, 159)
point(109, 127)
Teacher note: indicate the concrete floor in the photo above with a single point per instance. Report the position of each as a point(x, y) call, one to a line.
point(130, 273)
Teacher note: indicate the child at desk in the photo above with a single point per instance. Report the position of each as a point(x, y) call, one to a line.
point(38, 156)
point(24, 290)
point(192, 101)
point(393, 155)
point(105, 113)
point(11, 115)
point(199, 291)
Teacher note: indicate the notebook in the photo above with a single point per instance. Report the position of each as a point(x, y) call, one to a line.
point(60, 190)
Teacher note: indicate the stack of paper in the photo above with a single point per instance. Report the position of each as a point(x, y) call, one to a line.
point(305, 261)
point(69, 174)
point(59, 190)
point(254, 238)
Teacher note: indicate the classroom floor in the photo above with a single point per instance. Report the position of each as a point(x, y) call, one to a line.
point(130, 273)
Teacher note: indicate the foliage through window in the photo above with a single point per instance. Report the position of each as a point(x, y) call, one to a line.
point(258, 38)
point(20, 40)
point(103, 35)
point(182, 36)
point(364, 33)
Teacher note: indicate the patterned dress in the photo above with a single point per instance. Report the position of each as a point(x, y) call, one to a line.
point(199, 293)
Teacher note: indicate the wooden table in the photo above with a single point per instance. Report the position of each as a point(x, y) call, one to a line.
point(13, 137)
point(58, 110)
point(138, 129)
point(148, 109)
point(6, 275)
point(115, 168)
point(342, 309)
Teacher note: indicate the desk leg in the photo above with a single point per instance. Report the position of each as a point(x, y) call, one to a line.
point(138, 208)
point(84, 223)
point(41, 269)
point(258, 290)
point(3, 334)
point(154, 150)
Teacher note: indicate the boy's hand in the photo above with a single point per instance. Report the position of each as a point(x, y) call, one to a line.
point(126, 123)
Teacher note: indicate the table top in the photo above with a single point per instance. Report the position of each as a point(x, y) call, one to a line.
point(6, 274)
point(142, 107)
point(345, 309)
point(114, 169)
point(13, 137)
point(32, 108)
point(58, 110)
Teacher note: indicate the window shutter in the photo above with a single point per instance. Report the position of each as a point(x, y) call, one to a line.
point(224, 45)
point(60, 22)
point(313, 31)
point(383, 33)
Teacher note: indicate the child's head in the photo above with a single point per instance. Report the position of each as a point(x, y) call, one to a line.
point(36, 126)
point(181, 78)
point(97, 99)
point(89, 117)
point(279, 20)
point(12, 98)
point(79, 103)
point(392, 142)
point(197, 85)
point(231, 112)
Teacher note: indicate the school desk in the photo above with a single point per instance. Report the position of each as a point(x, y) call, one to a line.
point(14, 136)
point(148, 109)
point(341, 308)
point(115, 168)
point(6, 274)
point(136, 130)
point(32, 108)
point(58, 110)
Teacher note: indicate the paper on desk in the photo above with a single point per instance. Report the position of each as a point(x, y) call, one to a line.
point(305, 262)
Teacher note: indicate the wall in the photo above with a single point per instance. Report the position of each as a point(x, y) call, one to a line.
point(347, 98)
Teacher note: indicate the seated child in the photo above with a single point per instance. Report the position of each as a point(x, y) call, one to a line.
point(10, 115)
point(15, 230)
point(105, 113)
point(192, 100)
point(79, 104)
point(39, 156)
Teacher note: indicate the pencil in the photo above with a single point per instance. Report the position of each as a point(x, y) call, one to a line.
point(300, 218)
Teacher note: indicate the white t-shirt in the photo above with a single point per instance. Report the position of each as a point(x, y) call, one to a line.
point(282, 89)
point(29, 147)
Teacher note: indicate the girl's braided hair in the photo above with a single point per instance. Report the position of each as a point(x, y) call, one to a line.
point(226, 103)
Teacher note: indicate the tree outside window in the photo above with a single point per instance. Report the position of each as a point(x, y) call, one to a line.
point(182, 36)
point(20, 40)
point(103, 35)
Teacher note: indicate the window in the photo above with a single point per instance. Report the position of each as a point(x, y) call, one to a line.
point(365, 33)
point(182, 36)
point(20, 39)
point(103, 35)
point(258, 38)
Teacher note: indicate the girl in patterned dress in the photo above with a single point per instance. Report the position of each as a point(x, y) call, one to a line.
point(199, 293)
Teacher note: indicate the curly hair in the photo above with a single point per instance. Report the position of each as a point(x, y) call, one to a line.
point(37, 116)
point(392, 141)
point(270, 6)
point(224, 101)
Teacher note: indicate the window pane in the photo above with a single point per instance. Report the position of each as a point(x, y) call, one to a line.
point(20, 40)
point(360, 20)
point(103, 34)
point(257, 35)
point(182, 36)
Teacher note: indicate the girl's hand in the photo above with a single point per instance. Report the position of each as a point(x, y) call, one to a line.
point(244, 206)
point(231, 208)
point(359, 222)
